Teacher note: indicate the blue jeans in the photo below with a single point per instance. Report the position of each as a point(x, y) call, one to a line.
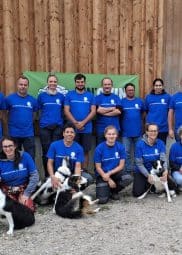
point(177, 176)
point(129, 143)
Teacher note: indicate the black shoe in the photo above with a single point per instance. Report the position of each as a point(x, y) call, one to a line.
point(115, 196)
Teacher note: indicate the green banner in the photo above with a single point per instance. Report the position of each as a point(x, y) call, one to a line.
point(38, 80)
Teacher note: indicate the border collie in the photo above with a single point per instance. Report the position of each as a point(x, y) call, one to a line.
point(74, 205)
point(168, 186)
point(46, 194)
point(17, 215)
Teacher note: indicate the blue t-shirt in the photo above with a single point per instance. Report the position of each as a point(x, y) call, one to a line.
point(2, 107)
point(20, 117)
point(157, 107)
point(175, 153)
point(57, 151)
point(149, 153)
point(107, 101)
point(109, 156)
point(131, 117)
point(51, 107)
point(176, 105)
point(80, 107)
point(19, 176)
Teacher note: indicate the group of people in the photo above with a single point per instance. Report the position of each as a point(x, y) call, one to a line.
point(122, 154)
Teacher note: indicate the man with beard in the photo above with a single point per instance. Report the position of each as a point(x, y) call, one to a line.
point(80, 109)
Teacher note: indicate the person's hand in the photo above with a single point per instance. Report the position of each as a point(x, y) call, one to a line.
point(171, 133)
point(150, 179)
point(79, 125)
point(106, 177)
point(55, 182)
point(111, 183)
point(22, 199)
point(163, 178)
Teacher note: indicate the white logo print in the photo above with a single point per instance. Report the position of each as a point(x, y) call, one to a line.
point(57, 101)
point(112, 101)
point(156, 151)
point(162, 100)
point(20, 166)
point(85, 99)
point(136, 106)
point(72, 154)
point(29, 104)
point(116, 154)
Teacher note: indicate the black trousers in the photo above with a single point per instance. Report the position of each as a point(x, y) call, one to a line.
point(140, 184)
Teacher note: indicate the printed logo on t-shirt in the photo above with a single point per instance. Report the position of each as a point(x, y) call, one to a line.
point(85, 99)
point(162, 100)
point(156, 151)
point(57, 101)
point(116, 154)
point(136, 106)
point(72, 154)
point(112, 101)
point(29, 104)
point(20, 166)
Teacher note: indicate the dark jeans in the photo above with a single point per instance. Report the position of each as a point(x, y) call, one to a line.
point(163, 136)
point(28, 144)
point(140, 184)
point(103, 191)
point(47, 136)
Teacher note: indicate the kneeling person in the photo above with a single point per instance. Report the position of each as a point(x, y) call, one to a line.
point(109, 161)
point(66, 147)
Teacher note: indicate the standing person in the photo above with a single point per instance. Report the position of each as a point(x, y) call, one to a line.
point(80, 109)
point(18, 174)
point(157, 107)
point(21, 107)
point(175, 114)
point(50, 104)
point(108, 109)
point(66, 147)
point(175, 159)
point(148, 149)
point(109, 161)
point(2, 107)
point(133, 111)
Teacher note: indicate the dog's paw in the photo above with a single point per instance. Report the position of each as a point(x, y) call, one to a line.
point(169, 200)
point(10, 232)
point(97, 210)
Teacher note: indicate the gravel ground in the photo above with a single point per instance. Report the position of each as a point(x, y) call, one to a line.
point(128, 226)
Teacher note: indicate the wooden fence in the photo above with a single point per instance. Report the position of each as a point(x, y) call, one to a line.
point(89, 36)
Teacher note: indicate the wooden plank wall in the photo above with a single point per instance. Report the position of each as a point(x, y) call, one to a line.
point(172, 67)
point(90, 36)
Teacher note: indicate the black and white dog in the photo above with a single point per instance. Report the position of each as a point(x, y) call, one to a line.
point(45, 193)
point(17, 215)
point(73, 205)
point(168, 186)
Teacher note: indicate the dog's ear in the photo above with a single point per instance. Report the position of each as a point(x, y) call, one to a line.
point(154, 164)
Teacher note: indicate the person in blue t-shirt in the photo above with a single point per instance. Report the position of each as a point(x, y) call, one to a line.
point(175, 114)
point(50, 103)
point(109, 158)
point(175, 159)
point(132, 116)
point(157, 107)
point(21, 107)
point(108, 109)
point(147, 150)
point(2, 107)
point(18, 173)
point(79, 109)
point(66, 147)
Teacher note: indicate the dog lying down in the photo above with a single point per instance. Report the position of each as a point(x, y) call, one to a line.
point(168, 186)
point(17, 215)
point(73, 205)
point(45, 193)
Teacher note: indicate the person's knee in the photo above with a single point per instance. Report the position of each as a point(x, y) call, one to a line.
point(102, 192)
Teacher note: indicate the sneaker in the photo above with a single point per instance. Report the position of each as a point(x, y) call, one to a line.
point(115, 196)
